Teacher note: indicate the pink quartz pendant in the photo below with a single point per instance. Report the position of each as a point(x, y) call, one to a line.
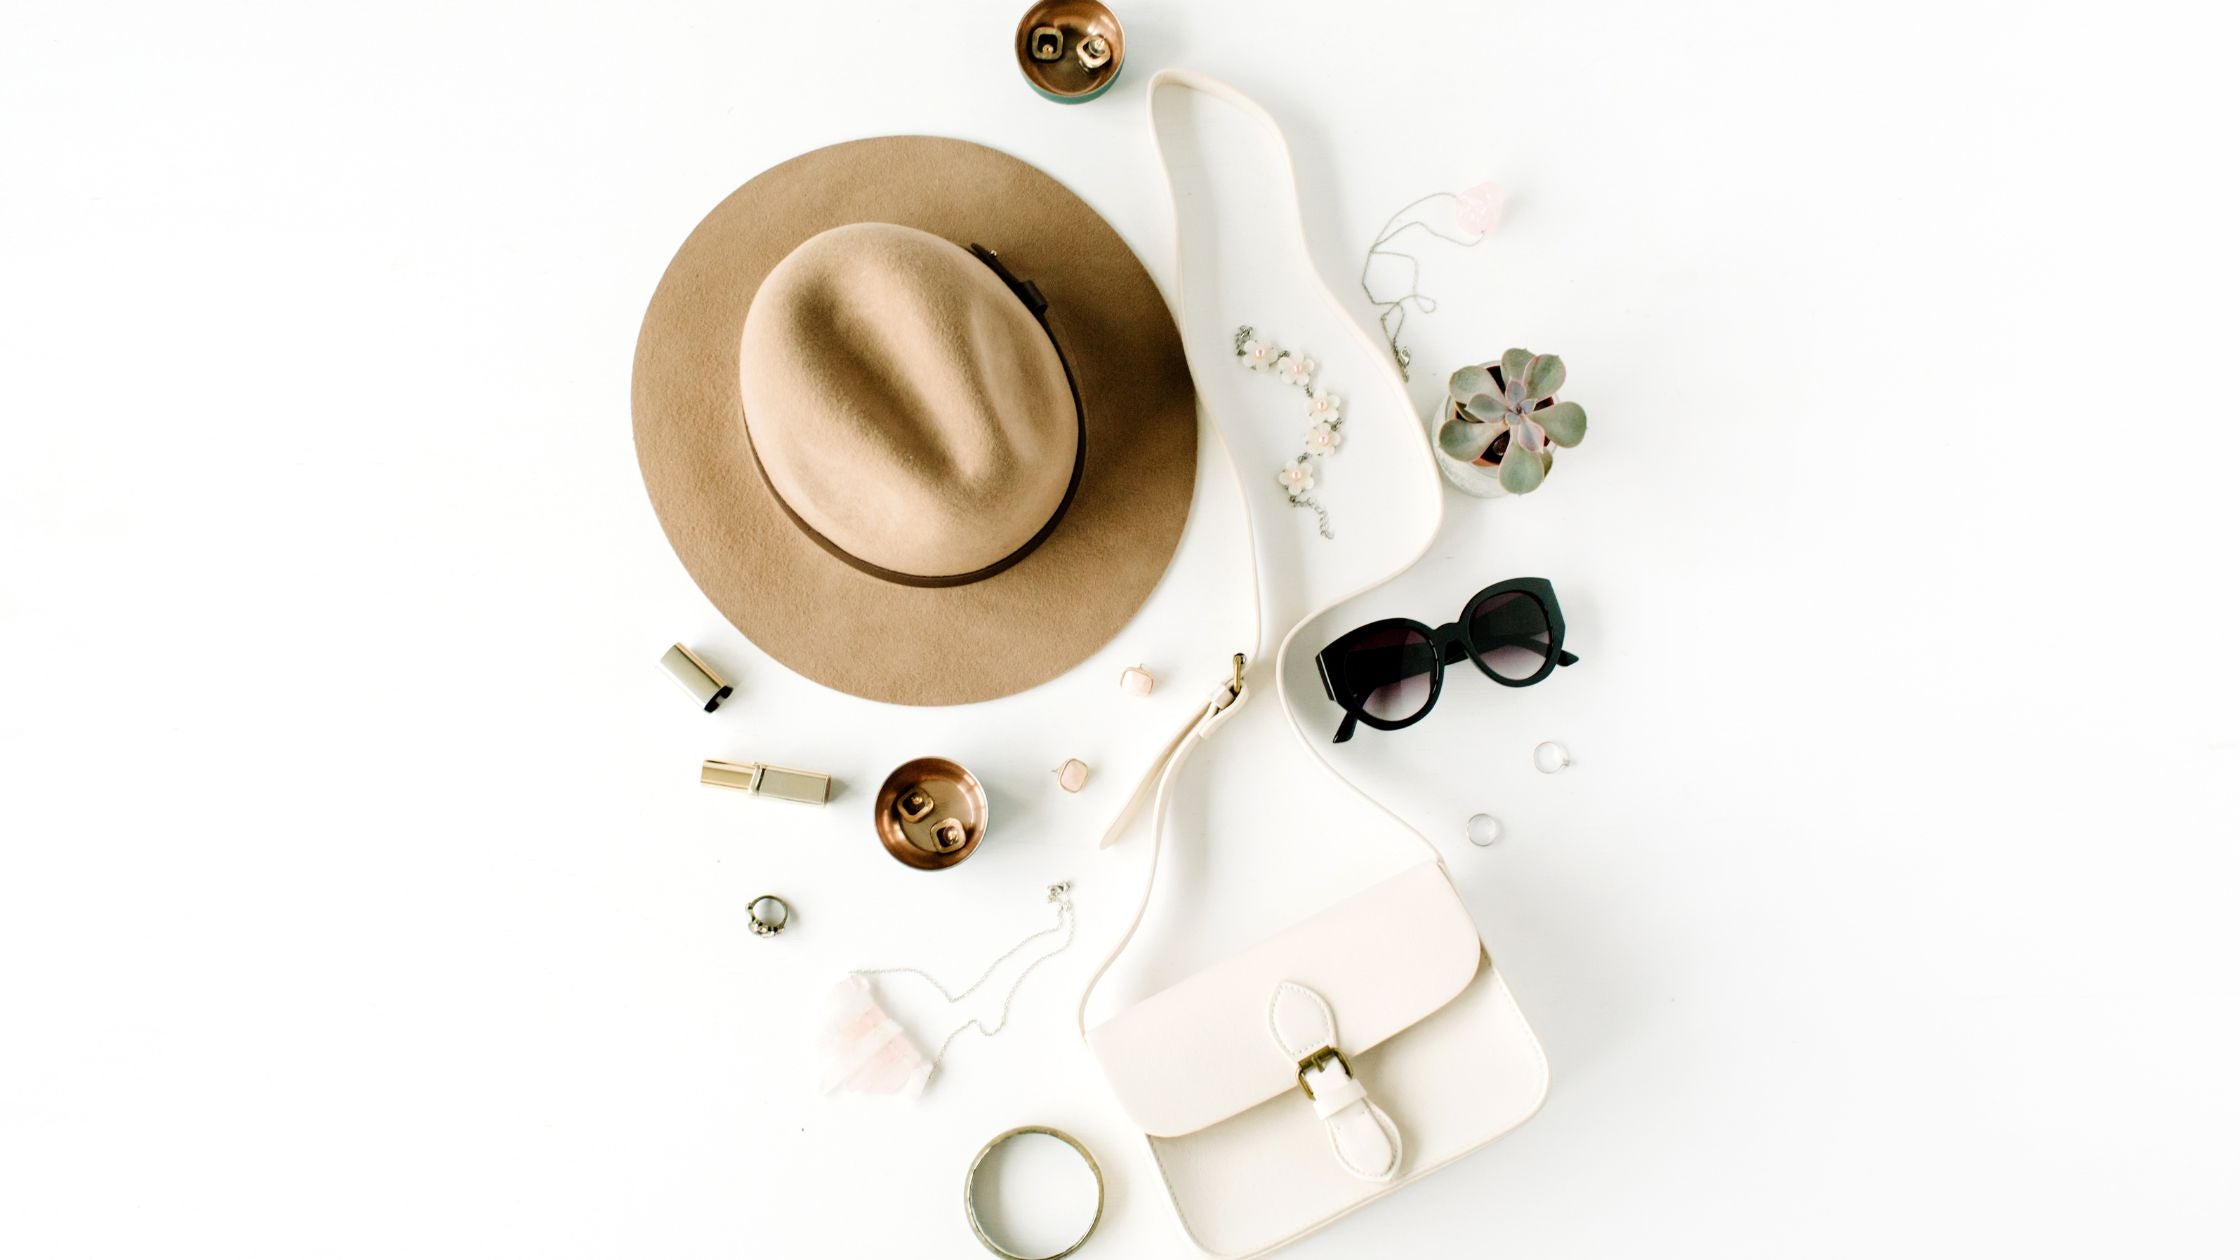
point(864, 1050)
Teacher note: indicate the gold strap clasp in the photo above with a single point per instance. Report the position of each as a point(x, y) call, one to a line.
point(1231, 692)
point(1318, 1060)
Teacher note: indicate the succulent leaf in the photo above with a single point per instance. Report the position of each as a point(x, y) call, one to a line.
point(1521, 470)
point(1467, 439)
point(1566, 422)
point(1468, 382)
point(1543, 376)
point(1513, 365)
point(1485, 407)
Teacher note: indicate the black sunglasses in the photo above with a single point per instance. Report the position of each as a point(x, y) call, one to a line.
point(1387, 673)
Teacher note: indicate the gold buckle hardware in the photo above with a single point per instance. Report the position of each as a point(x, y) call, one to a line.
point(1228, 693)
point(1319, 1059)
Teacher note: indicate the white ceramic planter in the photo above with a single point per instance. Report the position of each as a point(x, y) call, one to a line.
point(1477, 481)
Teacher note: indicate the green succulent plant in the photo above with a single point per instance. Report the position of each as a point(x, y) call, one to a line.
point(1505, 415)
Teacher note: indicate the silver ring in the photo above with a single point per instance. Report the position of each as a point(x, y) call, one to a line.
point(972, 1210)
point(1550, 757)
point(768, 915)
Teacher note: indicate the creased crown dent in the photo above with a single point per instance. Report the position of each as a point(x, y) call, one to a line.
point(904, 403)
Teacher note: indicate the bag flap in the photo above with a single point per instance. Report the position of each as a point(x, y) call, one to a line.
point(1201, 1051)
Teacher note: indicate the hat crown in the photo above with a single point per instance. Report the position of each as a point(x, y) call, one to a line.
point(903, 402)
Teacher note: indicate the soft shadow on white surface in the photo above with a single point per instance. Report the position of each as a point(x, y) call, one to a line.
point(356, 894)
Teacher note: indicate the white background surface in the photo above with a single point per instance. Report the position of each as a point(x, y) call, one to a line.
point(357, 898)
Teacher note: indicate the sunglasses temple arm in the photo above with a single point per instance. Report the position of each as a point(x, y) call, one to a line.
point(1405, 663)
point(1397, 663)
point(1416, 662)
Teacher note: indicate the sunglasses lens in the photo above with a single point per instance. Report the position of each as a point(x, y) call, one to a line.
point(1509, 631)
point(1387, 671)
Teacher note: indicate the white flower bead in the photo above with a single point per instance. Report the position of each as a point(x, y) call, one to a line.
point(1322, 406)
point(1260, 355)
point(1322, 439)
point(1296, 477)
point(1295, 369)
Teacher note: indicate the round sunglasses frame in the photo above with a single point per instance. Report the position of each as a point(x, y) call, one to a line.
point(1449, 642)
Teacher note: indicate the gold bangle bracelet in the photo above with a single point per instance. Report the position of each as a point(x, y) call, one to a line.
point(972, 1210)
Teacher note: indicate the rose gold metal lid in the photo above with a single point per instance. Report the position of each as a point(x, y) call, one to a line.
point(1088, 47)
point(930, 813)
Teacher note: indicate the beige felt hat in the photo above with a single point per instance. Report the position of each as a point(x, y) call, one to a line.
point(915, 419)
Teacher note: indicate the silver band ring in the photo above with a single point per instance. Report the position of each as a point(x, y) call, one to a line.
point(972, 1210)
point(768, 915)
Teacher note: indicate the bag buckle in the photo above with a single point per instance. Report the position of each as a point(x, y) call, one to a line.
point(1229, 692)
point(1321, 1059)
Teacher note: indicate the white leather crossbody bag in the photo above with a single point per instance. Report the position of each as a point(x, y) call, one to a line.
point(1347, 1055)
point(1326, 1066)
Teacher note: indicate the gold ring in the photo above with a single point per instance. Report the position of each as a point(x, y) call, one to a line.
point(768, 915)
point(972, 1210)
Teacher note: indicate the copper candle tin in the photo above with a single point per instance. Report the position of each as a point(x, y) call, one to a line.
point(1076, 75)
point(930, 813)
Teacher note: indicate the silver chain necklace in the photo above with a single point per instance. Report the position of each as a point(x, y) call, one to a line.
point(1060, 895)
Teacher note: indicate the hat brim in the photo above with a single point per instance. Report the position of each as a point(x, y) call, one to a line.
point(813, 612)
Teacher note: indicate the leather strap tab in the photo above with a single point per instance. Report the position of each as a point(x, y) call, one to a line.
point(1362, 1136)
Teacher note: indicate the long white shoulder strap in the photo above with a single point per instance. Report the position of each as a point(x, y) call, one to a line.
point(1158, 781)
